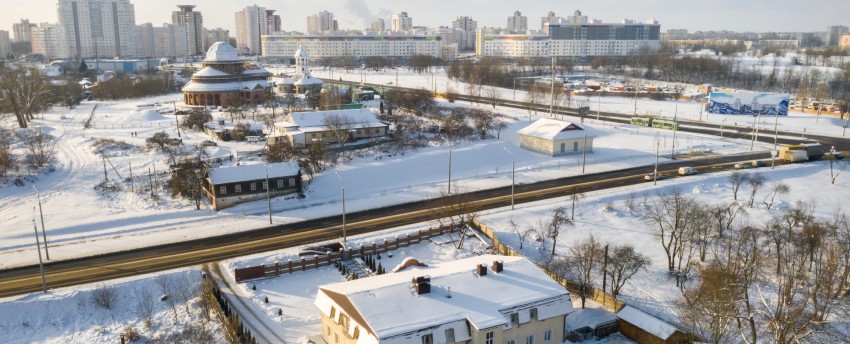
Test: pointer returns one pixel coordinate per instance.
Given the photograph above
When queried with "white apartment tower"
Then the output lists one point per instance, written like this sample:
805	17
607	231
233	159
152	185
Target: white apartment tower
5	44
378	25
272	21
49	40
577	18
517	23
193	22
98	27
550	18
469	26
401	22
145	40
168	42
251	24
22	32
321	22
215	35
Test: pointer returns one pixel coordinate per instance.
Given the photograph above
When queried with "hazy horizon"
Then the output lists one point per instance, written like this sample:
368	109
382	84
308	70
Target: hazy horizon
755	15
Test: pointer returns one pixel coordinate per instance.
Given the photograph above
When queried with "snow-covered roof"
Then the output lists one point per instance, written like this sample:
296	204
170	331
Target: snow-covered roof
357	118
256	70
386	306
286	81
222	52
554	129
233	174
301	53
646	322
194	86
308	81
210	72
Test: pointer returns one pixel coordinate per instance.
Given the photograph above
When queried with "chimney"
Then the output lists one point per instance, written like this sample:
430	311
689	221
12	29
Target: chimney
422	285
498	266
449	295
481	270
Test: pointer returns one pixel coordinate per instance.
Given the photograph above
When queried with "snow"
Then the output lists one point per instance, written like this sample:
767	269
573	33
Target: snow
69	315
555	129
195	86
249	172
646	322
221	52
209	72
356	117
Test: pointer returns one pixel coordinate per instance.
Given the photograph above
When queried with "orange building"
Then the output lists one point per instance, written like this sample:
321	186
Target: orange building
226	80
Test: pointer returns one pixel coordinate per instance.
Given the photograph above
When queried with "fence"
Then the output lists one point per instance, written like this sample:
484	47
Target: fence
315	262
141	125
606	300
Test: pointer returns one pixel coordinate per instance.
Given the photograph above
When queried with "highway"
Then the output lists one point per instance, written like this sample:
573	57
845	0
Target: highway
163	257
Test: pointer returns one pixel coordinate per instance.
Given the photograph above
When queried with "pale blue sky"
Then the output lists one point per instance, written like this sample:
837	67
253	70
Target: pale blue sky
738	15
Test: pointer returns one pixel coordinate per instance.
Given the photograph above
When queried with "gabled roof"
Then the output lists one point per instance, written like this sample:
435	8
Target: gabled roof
309	80
646	322
233	174
554	129
315	119
386	305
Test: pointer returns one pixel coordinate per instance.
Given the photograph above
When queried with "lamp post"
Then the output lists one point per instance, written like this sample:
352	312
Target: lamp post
655	174
342	187
41	215
513	175
40	262
675	126
269	194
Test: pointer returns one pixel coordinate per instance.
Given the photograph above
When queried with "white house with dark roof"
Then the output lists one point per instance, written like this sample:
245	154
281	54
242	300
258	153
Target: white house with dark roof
303	128
555	137
485	299
228	186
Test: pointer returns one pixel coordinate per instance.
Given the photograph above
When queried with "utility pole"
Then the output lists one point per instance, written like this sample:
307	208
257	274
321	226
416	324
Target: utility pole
675	126
268	194
599	103
176	122
450	169
655	174
105	176
342	187
41	214
513	176
132	187
40	262
605	270
584	154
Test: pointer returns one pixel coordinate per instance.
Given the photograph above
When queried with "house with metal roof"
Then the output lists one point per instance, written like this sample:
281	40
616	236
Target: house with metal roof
229	186
555	137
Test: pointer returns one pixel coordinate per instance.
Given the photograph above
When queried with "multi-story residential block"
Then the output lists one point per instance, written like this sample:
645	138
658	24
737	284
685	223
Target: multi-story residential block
833	34
145	39
339	44
844	42
517	23
550	18
401	22
169	41
320	22
193	22
98	27
5	44
215	35
378	25
484	299
272	21
469	27
22	32
49	41
251	24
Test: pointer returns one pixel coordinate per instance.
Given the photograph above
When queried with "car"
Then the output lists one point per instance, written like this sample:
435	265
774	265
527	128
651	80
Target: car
758	163
652	176
687	171
208	143
743	165
836	155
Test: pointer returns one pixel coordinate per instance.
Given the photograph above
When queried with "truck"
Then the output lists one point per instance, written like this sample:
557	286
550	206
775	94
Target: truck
801	152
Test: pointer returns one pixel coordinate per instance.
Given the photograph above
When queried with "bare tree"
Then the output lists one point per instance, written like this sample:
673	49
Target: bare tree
559	221
736	179
623	263
492	94
103	296
669	213
498	126
836	167
145	305
575	197
24	92
184	290
339	125
779	188
39	147
583	263
521	234
724	216
756	182
7	159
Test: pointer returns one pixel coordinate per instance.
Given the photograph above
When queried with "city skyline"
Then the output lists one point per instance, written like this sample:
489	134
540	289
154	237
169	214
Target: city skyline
756	16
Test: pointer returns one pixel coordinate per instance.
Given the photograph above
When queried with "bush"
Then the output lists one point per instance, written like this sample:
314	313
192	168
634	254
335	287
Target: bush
103	297
196	120
131	334
39	147
160	140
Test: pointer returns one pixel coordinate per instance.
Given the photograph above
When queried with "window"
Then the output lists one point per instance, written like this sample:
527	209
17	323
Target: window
292	182
428	339
280	184
563	147
356	332
514	318
253	186
575	146
534	314
265	185
222	190
450	335
547	336
237	188
329	330
529	340
333	313
489	338
336	337
343	321
510	342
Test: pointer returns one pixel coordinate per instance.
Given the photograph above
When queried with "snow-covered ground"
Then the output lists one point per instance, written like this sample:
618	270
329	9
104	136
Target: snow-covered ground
70	315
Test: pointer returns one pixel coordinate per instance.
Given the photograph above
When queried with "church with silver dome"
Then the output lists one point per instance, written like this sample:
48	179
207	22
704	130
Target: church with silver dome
226	80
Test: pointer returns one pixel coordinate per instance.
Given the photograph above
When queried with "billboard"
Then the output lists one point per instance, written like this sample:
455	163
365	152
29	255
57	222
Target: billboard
765	104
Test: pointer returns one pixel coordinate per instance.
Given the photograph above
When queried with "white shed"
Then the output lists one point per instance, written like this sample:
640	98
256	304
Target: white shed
555	138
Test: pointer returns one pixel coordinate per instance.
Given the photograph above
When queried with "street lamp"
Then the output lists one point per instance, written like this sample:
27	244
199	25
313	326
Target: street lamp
40	214
342	187
268	193
513	175
450	168
40	262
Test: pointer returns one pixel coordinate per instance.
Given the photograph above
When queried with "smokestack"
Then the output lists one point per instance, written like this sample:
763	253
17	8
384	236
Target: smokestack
422	285
481	270
498	266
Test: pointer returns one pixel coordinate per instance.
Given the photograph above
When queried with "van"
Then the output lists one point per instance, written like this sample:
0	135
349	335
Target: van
686	171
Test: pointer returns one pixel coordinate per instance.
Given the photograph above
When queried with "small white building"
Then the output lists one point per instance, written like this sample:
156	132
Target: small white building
303	128
483	299
555	137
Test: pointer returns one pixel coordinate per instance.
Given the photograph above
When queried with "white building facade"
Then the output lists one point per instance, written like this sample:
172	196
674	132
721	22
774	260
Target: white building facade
324	46
469	27
193	22
169	41
401	22
49	40
320	22
98	27
251	24
5	44
517	23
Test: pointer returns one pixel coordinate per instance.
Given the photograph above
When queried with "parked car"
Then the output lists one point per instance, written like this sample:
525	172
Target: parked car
651	176
742	165
830	156
208	143
687	171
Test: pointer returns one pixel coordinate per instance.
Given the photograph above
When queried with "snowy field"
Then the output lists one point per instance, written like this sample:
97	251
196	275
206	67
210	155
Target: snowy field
70	315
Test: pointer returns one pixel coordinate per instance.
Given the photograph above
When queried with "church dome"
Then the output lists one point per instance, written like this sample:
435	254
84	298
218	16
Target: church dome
222	52
301	53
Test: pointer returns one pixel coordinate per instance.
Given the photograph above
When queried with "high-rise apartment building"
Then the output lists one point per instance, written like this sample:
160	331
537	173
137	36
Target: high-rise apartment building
378	25
98	27
168	42
550	18
251	24
321	22
833	34
145	40
401	22
272	21
577	18
22	32
215	35
193	22
49	41
468	27
517	23
5	44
